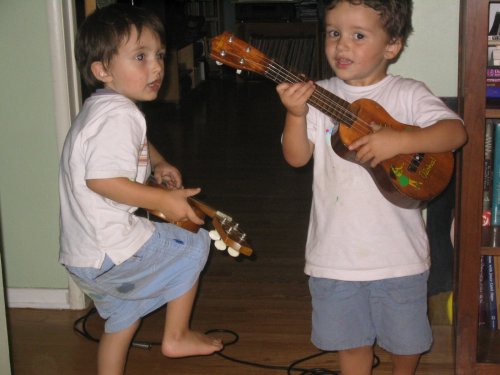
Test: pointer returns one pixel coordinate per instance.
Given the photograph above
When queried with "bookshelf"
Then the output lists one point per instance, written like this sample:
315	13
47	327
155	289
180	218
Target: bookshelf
288	32
210	10
212	13
296	45
183	72
477	348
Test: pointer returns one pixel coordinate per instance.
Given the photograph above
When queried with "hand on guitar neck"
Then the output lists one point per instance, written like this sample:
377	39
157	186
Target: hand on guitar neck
226	233
406	180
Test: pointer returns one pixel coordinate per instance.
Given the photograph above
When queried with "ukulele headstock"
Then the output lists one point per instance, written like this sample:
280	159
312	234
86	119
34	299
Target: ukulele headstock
227	234
236	53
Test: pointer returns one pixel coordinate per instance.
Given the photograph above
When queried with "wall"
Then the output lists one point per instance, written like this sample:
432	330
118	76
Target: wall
28	149
432	52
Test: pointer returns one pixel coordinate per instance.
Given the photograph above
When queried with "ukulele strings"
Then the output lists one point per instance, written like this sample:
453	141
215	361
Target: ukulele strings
320	95
321	98
280	74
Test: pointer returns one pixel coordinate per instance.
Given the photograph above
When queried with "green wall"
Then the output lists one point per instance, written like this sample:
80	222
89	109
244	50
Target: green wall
28	149
432	52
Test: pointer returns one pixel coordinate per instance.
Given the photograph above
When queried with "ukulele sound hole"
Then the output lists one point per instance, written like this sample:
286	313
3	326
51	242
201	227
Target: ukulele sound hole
415	162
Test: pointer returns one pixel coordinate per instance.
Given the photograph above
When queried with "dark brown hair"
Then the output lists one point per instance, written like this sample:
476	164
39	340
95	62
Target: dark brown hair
102	33
395	15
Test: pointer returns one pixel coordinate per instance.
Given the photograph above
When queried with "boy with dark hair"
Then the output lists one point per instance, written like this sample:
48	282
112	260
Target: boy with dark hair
367	259
128	265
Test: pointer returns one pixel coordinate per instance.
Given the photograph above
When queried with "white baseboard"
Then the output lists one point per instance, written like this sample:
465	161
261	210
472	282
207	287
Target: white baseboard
38	298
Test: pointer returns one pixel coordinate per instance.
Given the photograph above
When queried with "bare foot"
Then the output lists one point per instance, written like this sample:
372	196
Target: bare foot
189	344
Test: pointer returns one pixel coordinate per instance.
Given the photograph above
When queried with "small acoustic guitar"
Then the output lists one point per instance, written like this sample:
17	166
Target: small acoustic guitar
226	234
406	180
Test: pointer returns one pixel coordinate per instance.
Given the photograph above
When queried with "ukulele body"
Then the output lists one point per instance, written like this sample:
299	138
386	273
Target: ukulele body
407	180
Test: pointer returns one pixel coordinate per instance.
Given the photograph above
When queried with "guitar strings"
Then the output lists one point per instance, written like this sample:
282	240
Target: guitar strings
283	75
321	98
320	94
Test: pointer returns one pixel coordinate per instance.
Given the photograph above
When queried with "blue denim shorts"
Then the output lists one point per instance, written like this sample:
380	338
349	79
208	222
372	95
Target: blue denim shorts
163	269
391	312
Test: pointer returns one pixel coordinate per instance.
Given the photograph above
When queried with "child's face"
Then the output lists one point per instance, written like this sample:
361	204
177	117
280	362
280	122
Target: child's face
357	46
136	71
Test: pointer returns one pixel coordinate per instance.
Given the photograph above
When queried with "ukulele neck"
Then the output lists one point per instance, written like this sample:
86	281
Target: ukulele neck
323	100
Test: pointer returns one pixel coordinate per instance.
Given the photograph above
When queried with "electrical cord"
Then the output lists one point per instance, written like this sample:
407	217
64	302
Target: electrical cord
80	327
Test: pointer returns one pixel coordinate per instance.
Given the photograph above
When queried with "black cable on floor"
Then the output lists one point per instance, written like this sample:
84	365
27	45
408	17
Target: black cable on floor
80	327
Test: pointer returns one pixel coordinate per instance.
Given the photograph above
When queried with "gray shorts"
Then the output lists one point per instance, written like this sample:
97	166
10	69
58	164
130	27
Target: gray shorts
163	269
351	314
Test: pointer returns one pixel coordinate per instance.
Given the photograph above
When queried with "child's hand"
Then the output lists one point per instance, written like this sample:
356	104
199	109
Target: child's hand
168	175
294	96
384	143
175	206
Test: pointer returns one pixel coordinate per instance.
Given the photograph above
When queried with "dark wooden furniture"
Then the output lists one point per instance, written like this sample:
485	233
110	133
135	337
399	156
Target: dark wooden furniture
183	71
477	351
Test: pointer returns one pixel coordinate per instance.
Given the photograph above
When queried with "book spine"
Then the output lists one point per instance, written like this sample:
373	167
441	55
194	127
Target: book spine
496	262
483	303
486	216
492	91
495	195
488	172
495	27
491	292
492	71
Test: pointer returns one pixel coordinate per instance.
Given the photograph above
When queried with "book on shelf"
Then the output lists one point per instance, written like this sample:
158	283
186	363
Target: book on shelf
496	266
495	188
483	303
494	27
486	214
493	71
488	172
494	33
489	277
492	91
490	292
493	81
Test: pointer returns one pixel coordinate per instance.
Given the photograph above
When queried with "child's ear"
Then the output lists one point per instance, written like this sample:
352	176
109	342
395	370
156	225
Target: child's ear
393	49
100	72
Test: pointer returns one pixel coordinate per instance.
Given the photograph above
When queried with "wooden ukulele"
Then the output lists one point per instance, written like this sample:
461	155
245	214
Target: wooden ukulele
226	233
406	180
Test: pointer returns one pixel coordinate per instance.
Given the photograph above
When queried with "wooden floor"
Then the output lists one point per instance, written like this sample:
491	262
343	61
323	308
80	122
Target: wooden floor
226	139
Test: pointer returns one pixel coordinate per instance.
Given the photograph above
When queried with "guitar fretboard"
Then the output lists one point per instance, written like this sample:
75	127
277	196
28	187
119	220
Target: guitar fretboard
325	101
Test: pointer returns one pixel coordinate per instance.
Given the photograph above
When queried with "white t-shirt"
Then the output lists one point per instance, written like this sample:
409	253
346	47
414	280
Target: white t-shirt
354	232
106	140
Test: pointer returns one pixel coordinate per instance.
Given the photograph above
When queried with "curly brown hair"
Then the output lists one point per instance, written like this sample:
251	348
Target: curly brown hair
395	15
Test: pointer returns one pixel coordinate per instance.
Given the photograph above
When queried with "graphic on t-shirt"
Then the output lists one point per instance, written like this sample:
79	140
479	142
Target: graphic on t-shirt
330	130
143	155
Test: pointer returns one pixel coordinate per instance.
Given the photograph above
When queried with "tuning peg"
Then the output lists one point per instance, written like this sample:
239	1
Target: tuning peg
238	71
220	245
234	253
218	63
214	235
